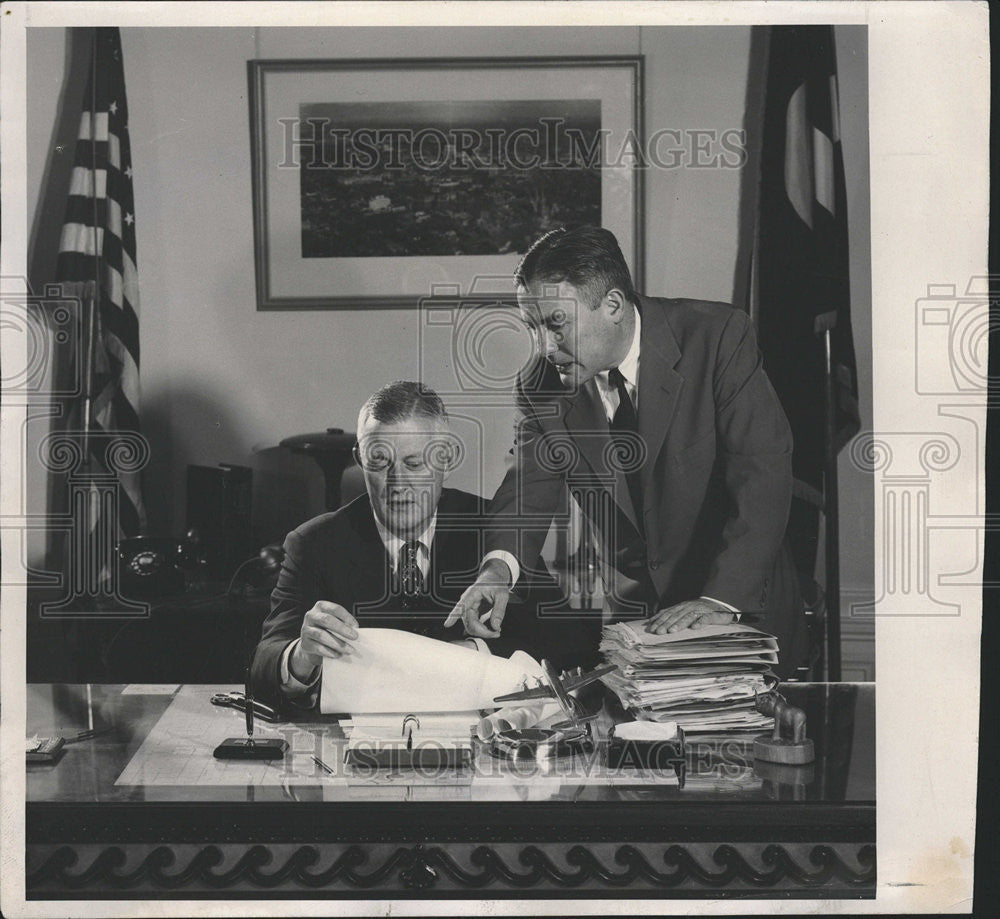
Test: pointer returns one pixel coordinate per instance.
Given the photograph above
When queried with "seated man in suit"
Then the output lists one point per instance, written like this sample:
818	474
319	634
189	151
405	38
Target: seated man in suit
397	557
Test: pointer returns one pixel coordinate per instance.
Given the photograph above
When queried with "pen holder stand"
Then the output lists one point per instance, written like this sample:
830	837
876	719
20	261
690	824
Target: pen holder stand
788	744
248	748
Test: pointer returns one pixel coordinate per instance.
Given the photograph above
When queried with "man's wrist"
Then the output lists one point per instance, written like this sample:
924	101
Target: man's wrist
729	608
509	560
498	568
300	666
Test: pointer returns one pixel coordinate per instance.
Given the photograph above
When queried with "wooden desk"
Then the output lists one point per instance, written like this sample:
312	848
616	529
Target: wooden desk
767	835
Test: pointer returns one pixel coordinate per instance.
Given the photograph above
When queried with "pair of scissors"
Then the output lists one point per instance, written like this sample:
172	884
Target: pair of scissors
238	701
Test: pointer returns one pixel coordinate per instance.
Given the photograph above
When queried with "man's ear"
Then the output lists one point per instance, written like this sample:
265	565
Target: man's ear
445	452
457	454
614	303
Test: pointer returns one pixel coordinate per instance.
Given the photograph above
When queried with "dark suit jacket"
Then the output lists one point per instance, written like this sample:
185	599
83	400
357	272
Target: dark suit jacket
340	557
717	477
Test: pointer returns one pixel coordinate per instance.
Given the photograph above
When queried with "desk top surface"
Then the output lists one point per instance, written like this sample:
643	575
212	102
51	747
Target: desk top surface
159	749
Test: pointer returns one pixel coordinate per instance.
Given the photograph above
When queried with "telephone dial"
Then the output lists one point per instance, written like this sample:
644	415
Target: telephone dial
155	565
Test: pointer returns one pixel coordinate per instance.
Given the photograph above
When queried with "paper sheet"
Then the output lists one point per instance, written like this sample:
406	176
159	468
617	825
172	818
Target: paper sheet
177	751
441	729
635	631
395	671
437	725
646	730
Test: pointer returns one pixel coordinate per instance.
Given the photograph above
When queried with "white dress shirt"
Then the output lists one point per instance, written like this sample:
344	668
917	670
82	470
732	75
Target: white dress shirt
629	369
394	543
294	688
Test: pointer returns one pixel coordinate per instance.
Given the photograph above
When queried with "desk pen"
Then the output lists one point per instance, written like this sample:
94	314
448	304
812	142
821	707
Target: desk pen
249	709
322	765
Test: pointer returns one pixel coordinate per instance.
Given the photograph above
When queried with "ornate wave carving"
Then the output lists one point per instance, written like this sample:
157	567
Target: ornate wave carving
422	867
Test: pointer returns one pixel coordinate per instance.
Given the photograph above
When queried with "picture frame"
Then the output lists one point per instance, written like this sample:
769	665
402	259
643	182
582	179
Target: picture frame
379	183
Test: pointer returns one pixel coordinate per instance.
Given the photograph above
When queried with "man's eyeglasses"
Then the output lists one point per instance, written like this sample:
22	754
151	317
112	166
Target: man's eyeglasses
440	455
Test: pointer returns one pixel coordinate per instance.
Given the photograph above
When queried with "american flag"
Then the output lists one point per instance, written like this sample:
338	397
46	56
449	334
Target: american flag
97	261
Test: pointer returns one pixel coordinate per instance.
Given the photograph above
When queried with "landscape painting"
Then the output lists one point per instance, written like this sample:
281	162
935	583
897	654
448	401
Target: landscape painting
385	179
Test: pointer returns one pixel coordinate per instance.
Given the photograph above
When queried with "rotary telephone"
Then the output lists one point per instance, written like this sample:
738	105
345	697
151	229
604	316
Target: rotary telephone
151	566
159	566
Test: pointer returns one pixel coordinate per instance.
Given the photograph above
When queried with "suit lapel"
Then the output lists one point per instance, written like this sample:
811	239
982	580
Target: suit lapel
659	386
440	548
452	539
370	562
588	425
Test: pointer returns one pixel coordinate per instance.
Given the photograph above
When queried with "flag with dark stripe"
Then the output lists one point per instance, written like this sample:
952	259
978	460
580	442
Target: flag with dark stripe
97	261
802	275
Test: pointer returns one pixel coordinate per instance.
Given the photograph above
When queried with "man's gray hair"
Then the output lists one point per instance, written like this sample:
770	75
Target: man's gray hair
401	400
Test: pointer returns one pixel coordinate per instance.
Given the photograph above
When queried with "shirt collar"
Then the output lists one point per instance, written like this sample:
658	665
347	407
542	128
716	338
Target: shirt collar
394	543
629	367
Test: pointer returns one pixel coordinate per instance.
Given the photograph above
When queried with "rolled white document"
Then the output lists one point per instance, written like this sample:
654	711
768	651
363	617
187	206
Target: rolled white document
518	717
395	671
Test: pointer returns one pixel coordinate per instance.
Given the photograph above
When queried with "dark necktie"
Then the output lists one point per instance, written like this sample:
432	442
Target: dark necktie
411	580
624	431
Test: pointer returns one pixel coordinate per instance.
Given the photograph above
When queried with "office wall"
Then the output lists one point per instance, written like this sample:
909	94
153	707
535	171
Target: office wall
224	383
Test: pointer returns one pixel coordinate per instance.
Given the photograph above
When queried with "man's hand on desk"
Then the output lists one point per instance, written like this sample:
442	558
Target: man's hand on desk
327	631
490	591
691	614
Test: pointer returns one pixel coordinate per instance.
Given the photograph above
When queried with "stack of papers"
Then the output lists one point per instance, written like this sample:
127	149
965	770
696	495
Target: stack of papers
704	679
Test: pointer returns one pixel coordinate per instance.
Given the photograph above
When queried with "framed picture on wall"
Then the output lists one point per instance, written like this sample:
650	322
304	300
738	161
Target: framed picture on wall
378	183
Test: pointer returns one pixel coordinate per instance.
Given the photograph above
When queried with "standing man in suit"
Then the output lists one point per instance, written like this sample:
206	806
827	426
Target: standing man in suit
397	557
665	405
